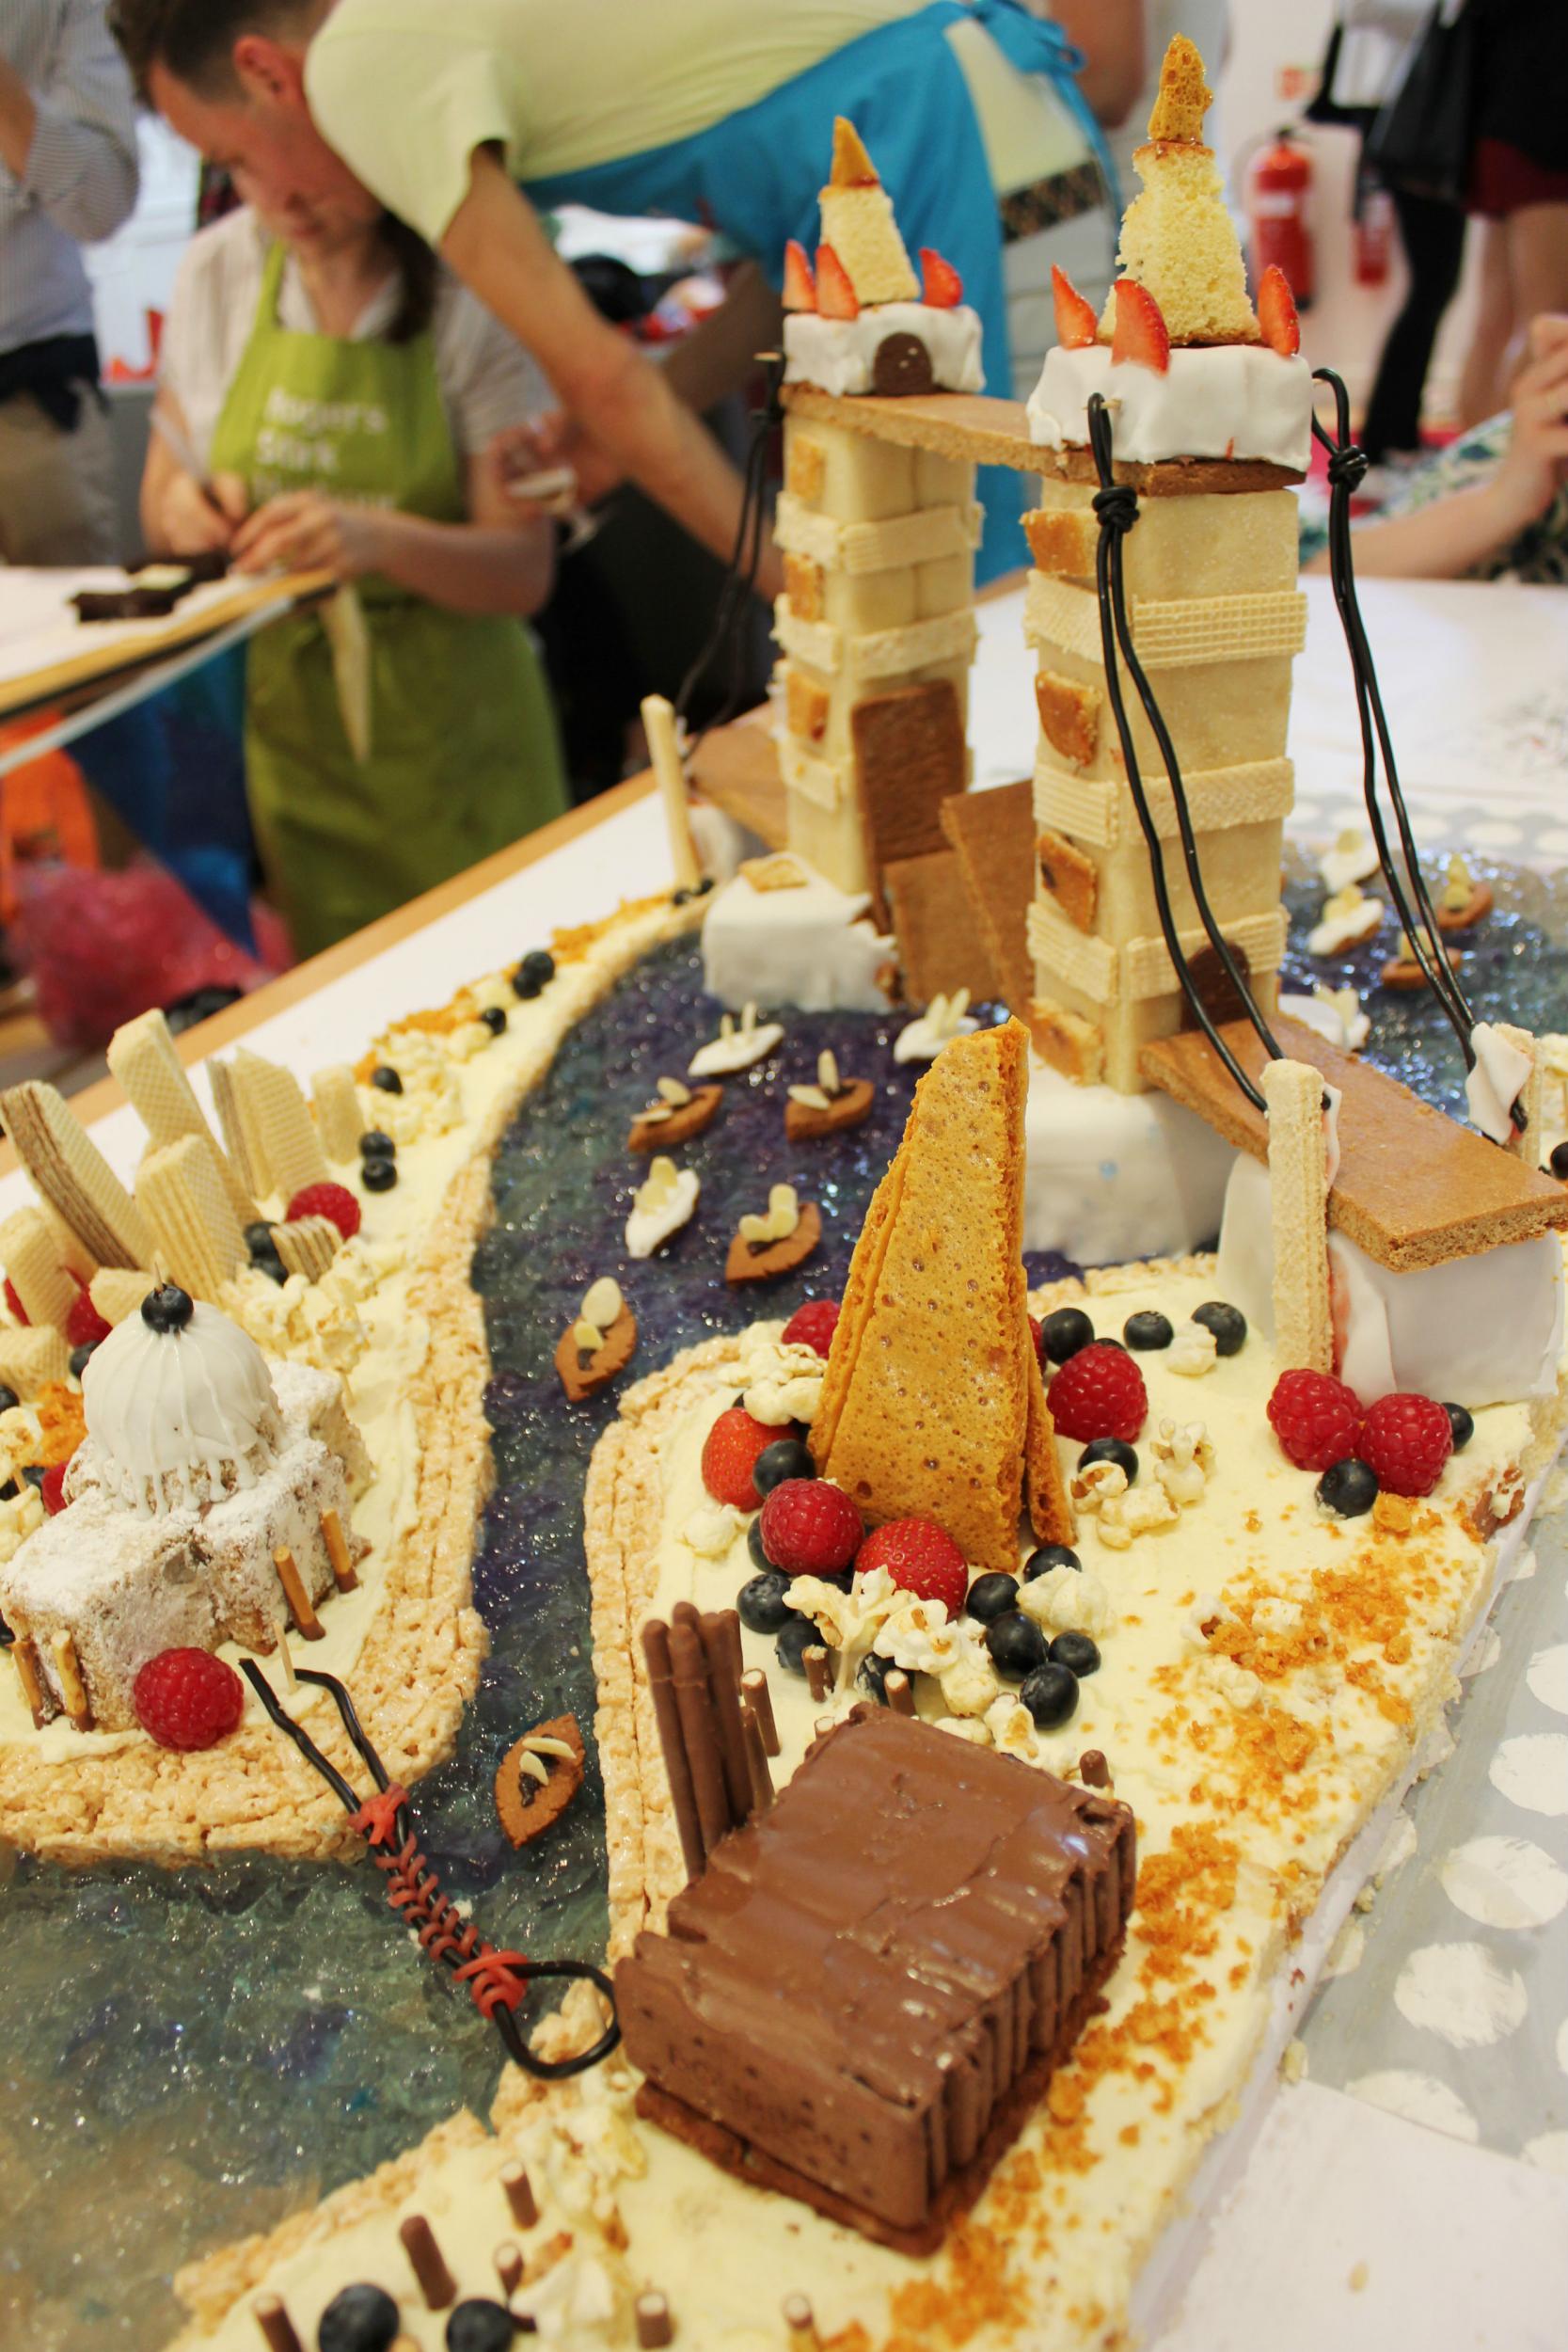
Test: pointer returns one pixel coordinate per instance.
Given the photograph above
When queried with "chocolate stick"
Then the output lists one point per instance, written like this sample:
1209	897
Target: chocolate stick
898	1691
519	2195
275	2325
336	1551
437	2283
298	1599
725	1684
655	2326
688	1666
754	1686
656	1650
815	1660
26	1658
74	1691
801	2325
1093	1771
756	1759
508	2260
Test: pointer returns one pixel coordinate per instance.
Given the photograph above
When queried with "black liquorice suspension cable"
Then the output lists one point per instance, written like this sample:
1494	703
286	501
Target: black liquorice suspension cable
1347	464
1116	506
732	609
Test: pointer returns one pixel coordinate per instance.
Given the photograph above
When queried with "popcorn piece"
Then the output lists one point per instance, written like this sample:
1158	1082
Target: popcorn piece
1237	1685
969	1687
1192	1351
780	1401
1183	1461
1011	1725
710	1530
1141	1512
1097	1484
1068	1600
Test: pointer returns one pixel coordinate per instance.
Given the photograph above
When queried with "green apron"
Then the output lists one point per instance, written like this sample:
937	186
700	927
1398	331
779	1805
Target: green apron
464	756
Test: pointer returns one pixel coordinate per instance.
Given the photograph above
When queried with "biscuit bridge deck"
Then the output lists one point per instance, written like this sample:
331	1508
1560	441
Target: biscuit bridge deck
1415	1188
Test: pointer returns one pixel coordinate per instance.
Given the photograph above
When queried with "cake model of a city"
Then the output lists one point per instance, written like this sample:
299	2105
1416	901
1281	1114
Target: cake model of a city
1002	1696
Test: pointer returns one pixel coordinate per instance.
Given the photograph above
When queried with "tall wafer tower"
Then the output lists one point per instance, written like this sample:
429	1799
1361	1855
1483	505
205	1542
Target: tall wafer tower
1210	407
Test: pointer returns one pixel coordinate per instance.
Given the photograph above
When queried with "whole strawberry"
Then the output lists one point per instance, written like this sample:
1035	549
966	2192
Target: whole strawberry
84	1326
730	1454
333	1201
812	1325
1406	1439
187	1698
810	1527
1099	1393
52	1488
1316	1418
921	1558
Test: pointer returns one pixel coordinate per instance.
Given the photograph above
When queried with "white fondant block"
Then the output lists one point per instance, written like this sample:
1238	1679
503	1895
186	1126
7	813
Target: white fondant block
1112	1176
810	948
1481	1330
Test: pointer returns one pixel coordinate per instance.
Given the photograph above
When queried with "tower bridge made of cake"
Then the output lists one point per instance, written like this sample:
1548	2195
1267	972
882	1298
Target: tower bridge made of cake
1044	893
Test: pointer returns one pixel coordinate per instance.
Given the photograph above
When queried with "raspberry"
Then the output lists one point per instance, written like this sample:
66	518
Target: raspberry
813	1325
335	1202
810	1527
18	1312
1038	1334
85	1327
730	1455
187	1698
921	1558
1317	1419
1406	1439
52	1488
1099	1393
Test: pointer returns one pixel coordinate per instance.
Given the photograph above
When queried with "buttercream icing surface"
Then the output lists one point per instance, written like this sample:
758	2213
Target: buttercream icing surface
1232	400
840	355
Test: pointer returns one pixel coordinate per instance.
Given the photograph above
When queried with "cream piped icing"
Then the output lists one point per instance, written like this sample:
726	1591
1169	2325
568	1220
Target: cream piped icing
179	1418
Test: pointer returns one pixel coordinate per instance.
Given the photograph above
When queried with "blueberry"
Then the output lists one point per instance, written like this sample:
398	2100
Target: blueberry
534	973
376	1144
1559	1162
762	1604
1462	1423
34	1473
872	1675
9	1491
1016	1643
9	1399
1228	1324
480	2325
1048	1557
786	1458
681	898
1051	1695
387	1078
992	1596
360	2319
168	1309
1065	1332
270	1264
257	1239
753	1545
1349	1488
798	1637
703	886
1111	1449
378	1175
1148	1328
81	1356
494	1018
1076	1652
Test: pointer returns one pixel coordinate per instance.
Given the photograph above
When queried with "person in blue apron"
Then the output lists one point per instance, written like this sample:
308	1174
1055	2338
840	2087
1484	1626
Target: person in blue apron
466	118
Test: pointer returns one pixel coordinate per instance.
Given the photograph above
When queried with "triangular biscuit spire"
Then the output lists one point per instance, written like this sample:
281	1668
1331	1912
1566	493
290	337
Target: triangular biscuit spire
933	1404
858	223
1178	240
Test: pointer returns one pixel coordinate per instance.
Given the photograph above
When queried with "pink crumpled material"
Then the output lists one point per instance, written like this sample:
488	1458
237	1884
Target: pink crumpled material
103	947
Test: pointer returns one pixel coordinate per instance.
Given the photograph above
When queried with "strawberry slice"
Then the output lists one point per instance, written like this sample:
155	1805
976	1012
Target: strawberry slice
1075	319
799	286
836	296
1276	312
1141	333
941	286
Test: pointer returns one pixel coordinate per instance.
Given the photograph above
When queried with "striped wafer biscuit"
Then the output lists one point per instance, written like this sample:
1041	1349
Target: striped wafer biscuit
1298	1194
197	1234
143	1057
31	1257
73	1176
307	1246
277	1117
339	1121
118	1291
243	1147
70	1248
29	1358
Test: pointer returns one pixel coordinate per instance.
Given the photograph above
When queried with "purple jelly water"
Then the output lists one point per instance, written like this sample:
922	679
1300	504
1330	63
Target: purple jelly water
188	2056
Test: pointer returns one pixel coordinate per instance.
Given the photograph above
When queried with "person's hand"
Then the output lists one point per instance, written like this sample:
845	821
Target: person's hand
1536	461
196	521
304	531
558	439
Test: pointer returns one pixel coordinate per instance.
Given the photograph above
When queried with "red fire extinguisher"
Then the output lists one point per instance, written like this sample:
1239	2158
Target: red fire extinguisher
1374	238
1279	190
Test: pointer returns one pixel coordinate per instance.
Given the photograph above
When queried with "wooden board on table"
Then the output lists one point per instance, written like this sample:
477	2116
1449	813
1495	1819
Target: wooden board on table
129	645
1413	1190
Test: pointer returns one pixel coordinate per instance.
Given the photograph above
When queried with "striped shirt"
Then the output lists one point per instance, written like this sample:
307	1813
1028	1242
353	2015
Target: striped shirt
80	181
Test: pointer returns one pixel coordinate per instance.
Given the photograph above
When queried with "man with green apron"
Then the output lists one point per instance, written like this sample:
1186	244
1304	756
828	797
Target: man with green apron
462	756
